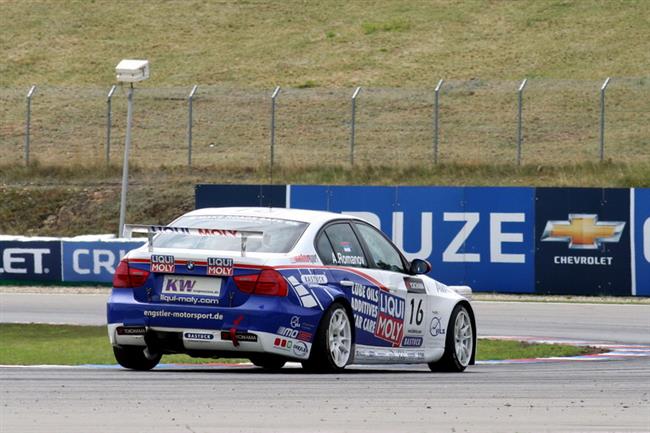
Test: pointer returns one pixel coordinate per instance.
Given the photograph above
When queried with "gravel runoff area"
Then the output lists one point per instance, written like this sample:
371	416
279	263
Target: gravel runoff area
498	297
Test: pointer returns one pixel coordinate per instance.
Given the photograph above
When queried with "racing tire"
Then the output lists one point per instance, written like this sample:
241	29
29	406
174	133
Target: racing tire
459	344
268	362
333	346
133	357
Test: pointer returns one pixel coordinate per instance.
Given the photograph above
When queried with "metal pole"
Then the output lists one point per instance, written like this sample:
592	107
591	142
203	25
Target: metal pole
602	119
109	122
28	122
353	123
190	98
436	116
273	97
125	165
519	119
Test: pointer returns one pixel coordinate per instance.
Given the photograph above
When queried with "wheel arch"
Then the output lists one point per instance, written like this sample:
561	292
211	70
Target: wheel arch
342	300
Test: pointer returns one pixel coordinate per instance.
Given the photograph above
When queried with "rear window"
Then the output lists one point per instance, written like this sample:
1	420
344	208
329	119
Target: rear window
279	235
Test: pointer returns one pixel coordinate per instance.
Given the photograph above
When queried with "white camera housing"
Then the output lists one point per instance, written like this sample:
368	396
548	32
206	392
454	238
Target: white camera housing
132	71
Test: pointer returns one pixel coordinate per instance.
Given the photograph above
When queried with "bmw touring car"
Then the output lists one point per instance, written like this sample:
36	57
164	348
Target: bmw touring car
278	285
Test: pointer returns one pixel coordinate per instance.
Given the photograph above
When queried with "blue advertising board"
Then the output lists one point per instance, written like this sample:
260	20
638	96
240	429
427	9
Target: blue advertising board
583	241
93	261
471	236
30	260
240	195
641	217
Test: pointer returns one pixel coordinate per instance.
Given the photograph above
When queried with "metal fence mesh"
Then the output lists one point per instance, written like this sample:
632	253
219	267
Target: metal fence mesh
477	124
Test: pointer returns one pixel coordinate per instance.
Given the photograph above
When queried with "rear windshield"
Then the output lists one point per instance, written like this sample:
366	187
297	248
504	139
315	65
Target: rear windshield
279	235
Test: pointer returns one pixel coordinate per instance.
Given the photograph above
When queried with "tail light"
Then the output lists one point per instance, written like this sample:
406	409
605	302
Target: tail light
269	282
126	276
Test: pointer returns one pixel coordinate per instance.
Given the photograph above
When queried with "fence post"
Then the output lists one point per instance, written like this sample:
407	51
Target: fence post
28	122
602	118
353	123
519	118
190	98
274	96
109	121
436	114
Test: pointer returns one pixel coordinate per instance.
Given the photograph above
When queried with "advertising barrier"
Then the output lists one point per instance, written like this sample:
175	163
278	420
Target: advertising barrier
93	261
61	260
589	241
30	260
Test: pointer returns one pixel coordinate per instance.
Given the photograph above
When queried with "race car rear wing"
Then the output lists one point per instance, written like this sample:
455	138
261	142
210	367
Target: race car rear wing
152	230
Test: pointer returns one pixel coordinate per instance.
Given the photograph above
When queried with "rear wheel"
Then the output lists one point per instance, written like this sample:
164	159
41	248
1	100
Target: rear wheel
268	362
459	344
332	348
133	357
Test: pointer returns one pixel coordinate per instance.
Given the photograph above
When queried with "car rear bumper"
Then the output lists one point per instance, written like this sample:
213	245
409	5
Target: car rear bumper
260	325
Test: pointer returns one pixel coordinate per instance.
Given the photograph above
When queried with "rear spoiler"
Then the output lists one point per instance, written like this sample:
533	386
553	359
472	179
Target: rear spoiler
152	230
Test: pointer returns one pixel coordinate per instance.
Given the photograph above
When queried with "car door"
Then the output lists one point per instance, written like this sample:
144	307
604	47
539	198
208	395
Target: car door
402	317
339	248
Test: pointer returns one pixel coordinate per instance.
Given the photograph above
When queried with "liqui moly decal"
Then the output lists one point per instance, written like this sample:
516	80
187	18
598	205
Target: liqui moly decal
390	320
162	264
220	267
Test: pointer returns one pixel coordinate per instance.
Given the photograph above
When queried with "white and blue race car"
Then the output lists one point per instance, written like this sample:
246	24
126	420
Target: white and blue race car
278	285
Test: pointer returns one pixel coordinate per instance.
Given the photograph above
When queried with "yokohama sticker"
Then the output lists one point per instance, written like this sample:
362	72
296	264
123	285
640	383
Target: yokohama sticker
162	264
220	267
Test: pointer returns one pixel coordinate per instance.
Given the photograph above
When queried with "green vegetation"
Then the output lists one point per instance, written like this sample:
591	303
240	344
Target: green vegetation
237	51
76	345
334	42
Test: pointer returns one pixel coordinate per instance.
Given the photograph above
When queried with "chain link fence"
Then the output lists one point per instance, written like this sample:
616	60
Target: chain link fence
561	121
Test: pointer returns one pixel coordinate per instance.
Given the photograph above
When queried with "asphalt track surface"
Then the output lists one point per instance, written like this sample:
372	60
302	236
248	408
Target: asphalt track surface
564	396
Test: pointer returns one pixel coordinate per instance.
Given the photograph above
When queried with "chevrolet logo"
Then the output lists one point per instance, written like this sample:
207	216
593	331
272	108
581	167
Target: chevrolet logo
583	231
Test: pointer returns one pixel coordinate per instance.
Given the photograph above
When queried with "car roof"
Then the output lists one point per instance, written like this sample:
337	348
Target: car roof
303	215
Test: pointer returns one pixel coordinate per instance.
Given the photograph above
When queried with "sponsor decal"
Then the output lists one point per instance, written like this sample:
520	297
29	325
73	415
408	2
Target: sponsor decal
200	286
163	264
178	285
390	320
345	245
198	336
305	258
412	342
414	285
182	315
188	299
304	336
583	231
131	330
314	279
300	349
287	332
281	343
239	336
436	328
295	322
220	267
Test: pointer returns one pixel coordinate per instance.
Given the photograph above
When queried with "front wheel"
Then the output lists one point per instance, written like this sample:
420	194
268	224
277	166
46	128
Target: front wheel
332	348
133	357
459	344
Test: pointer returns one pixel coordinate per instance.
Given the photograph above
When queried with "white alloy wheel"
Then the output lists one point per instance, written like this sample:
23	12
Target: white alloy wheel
339	338
463	337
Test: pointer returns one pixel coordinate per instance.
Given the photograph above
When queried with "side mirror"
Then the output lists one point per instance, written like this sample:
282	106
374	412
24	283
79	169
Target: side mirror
419	266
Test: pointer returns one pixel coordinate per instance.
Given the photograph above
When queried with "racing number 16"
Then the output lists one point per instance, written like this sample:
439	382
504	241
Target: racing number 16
419	315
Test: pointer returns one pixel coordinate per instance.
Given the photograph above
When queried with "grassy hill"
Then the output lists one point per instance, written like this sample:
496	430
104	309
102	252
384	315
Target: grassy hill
329	43
318	52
